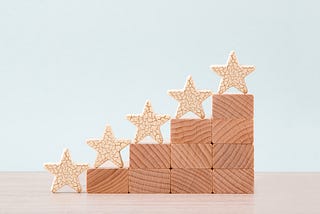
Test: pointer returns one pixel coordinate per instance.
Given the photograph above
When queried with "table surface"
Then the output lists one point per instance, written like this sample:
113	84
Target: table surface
28	192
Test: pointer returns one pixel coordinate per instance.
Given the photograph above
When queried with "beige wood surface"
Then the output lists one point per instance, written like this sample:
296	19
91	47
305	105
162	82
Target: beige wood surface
274	193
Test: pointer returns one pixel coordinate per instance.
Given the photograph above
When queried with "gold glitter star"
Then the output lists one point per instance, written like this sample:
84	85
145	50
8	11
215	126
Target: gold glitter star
108	148
66	172
190	99
148	124
233	74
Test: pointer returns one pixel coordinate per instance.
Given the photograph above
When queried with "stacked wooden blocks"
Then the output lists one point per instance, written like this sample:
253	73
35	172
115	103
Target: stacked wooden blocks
149	168
191	156
232	138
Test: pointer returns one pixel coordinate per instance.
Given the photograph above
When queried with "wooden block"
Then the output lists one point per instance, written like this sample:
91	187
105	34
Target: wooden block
107	181
149	181
190	131
233	181
150	156
191	181
234	106
237	156
233	131
191	156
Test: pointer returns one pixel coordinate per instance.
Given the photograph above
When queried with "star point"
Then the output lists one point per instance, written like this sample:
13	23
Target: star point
108	148
148	123
190	99
66	172
233	74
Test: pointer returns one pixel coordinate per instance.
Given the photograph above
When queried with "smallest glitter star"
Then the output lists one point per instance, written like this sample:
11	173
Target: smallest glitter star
190	99
108	148
233	74
66	172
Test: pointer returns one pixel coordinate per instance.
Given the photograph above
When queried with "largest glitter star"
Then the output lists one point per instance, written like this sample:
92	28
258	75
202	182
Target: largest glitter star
66	172
108	148
190	99
148	124
233	74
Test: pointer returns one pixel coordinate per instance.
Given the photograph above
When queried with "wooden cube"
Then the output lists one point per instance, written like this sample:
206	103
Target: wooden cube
233	156
232	106
233	181
233	131
186	131
191	156
149	181
191	181
107	181
150	156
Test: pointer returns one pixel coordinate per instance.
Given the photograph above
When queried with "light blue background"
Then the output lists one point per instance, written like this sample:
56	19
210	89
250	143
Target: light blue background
67	68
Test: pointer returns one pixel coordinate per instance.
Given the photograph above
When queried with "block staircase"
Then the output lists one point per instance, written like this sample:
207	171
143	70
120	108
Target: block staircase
213	155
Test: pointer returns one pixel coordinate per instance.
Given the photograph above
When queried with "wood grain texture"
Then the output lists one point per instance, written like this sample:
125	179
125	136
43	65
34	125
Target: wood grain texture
190	131
233	131
233	106
107	181
191	181
150	156
238	156
191	155
233	181
149	181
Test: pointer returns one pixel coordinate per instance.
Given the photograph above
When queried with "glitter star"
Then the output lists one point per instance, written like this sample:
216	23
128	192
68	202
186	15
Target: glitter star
233	74
148	124
108	148
190	99
66	172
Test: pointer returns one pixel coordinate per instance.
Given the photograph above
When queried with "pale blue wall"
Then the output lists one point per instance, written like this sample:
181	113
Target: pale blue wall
69	67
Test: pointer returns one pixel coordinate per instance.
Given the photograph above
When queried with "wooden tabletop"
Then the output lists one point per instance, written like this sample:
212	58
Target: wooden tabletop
274	193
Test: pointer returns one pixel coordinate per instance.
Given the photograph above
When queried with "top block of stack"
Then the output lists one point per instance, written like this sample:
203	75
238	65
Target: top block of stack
232	106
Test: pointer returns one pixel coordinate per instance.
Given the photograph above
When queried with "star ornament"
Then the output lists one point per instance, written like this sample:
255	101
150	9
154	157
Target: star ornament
190	99
148	124
108	148
233	74
66	172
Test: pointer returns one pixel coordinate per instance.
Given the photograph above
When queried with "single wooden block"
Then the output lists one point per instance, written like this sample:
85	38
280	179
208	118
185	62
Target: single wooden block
149	181
190	131
107	181
150	156
191	181
191	156
233	131
233	156
234	106
233	181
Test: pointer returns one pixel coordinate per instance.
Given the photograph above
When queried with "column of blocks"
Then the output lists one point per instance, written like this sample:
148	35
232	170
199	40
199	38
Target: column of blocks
233	149
149	168
107	181
191	156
